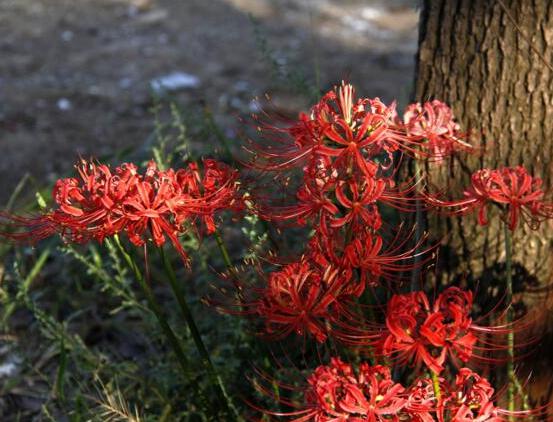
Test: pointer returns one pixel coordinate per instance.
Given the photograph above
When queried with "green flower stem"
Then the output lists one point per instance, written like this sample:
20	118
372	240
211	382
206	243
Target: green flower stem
156	309
511	335
520	390
223	250
162	321
200	346
436	386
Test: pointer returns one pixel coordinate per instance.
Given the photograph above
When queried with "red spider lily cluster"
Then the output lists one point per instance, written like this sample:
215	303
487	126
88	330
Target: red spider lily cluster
420	333
336	392
345	153
345	150
348	151
431	335
156	205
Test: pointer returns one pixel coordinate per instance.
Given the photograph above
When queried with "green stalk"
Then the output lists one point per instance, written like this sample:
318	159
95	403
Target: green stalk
156	309
520	390
436	386
511	335
162	321
200	346
223	250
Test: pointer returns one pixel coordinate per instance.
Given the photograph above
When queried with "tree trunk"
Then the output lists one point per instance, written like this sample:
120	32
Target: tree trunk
476	59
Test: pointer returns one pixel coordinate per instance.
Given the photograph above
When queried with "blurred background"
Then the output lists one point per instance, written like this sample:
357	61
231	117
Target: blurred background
78	77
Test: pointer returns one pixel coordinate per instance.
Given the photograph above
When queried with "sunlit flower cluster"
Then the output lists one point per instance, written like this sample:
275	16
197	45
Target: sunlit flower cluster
156	205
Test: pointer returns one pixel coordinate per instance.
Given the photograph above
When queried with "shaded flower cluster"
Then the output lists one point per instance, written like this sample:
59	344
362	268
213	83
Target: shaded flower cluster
299	298
338	392
421	333
159	204
518	194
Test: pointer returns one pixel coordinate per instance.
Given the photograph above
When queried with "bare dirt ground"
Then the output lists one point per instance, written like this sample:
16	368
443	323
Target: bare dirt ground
75	74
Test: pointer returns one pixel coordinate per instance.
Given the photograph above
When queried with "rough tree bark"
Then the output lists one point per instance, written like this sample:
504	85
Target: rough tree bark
475	58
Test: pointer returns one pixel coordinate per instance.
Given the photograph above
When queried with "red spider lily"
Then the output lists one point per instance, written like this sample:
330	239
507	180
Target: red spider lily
359	200
302	299
515	191
351	203
360	206
404	317
104	202
423	334
313	202
151	208
348	146
354	132
433	127
314	197
343	179
471	399
214	191
166	200
368	253
351	132
336	393
421	401
87	209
